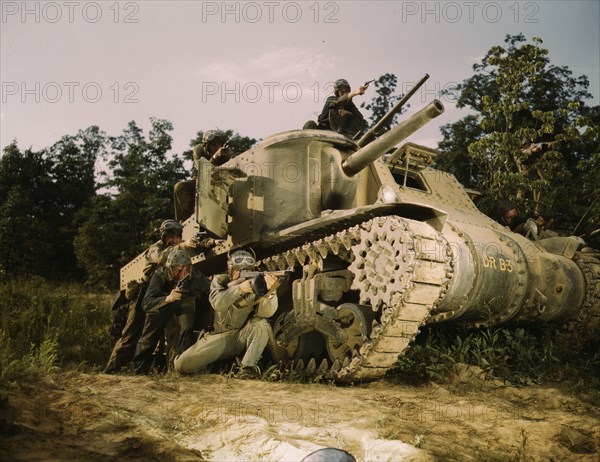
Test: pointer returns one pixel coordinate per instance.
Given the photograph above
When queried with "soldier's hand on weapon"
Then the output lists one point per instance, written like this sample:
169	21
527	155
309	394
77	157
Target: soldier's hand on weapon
174	296
366	84
259	285
360	91
272	280
223	151
189	244
197	238
217	154
245	287
209	243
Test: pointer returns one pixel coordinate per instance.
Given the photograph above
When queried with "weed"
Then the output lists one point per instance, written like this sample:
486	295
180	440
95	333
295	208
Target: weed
44	325
519	354
38	361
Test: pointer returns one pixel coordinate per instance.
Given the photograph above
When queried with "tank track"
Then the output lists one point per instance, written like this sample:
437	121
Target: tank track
400	268
586	327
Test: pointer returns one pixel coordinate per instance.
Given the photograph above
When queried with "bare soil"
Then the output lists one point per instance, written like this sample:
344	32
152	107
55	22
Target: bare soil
93	417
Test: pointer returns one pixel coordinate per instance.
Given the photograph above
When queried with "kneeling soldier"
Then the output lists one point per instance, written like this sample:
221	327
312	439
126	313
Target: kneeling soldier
241	307
172	291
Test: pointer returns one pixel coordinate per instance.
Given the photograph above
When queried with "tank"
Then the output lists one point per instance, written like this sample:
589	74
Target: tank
379	244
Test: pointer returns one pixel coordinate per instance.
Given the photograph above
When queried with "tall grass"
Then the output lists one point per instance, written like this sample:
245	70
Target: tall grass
44	326
517	354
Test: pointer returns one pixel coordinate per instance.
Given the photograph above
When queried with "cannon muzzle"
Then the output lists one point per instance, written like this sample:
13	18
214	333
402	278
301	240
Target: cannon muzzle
364	156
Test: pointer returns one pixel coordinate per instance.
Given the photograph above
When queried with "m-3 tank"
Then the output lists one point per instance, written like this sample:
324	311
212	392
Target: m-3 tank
379	244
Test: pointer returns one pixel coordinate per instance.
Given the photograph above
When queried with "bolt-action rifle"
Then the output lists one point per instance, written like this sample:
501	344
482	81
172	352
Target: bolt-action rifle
247	274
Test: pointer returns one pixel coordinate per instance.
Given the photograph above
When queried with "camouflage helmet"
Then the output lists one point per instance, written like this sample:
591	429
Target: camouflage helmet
170	228
213	135
340	84
178	258
241	259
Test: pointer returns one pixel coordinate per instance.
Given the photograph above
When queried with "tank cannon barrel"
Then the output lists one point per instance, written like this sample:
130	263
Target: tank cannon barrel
367	154
386	119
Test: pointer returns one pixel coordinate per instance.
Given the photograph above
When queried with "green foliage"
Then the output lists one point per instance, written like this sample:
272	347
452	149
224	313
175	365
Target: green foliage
384	100
41	193
515	354
38	361
27	226
88	204
236	142
520	98
40	321
118	225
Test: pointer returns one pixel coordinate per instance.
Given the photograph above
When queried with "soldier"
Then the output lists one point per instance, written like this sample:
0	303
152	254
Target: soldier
172	291
509	215
213	148
241	308
339	112
533	229
170	239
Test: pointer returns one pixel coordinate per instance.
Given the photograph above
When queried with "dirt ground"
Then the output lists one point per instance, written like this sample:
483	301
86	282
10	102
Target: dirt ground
93	417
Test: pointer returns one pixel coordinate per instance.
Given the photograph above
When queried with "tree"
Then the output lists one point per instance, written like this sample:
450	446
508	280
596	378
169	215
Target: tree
519	98
27	196
73	161
236	142
120	223
385	99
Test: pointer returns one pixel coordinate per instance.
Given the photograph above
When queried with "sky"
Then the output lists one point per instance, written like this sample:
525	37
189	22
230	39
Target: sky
255	67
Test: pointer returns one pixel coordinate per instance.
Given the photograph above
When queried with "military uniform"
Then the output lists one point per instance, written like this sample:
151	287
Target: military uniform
347	124
185	191
236	328
124	350
158	314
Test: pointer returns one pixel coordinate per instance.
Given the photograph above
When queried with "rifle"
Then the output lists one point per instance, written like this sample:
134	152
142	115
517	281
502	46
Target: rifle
246	274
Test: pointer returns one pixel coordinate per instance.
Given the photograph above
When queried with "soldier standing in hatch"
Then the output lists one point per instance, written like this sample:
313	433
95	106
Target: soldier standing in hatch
172	291
214	149
170	239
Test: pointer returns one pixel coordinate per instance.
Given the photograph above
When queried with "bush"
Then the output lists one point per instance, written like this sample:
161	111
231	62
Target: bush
518	354
39	320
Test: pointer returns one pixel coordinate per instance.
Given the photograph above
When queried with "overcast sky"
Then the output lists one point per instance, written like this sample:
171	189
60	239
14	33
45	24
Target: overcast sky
255	67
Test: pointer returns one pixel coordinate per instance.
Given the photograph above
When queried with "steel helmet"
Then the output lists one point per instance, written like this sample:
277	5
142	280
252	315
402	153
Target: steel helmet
170	228
213	135
340	84
178	258
241	259
505	206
